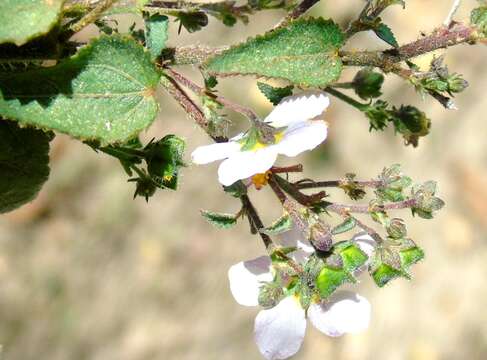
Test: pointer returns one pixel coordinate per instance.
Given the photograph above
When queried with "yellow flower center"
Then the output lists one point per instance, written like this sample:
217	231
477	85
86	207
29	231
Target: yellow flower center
260	145
260	180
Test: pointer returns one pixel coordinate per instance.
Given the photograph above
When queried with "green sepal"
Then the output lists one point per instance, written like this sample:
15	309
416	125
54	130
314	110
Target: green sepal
331	278
305	52
156	33
347	225
23	20
385	273
383	270
368	83
274	94
220	220
283	224
237	189
385	33
24	164
164	159
105	92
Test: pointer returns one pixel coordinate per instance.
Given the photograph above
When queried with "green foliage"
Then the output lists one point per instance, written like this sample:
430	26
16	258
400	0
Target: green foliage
351	188
192	21
237	189
222	221
304	52
393	184
411	122
385	33
283	224
156	27
346	258
426	201
479	19
347	225
408	120
367	83
22	20
270	293
164	159
393	259
275	94
105	92
438	80
24	164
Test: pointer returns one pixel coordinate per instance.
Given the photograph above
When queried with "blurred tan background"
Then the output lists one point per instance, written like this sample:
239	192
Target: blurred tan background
88	273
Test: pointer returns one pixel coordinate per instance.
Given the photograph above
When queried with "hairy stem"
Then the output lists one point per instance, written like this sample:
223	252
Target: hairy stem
255	221
92	16
201	91
336	183
386	60
363	209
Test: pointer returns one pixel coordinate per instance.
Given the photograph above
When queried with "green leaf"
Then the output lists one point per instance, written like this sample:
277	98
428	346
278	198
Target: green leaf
105	92
275	94
305	52
22	20
284	223
222	221
156	27
385	33
24	164
192	21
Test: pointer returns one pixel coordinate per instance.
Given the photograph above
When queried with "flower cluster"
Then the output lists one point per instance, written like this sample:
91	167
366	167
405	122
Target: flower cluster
289	298
293	283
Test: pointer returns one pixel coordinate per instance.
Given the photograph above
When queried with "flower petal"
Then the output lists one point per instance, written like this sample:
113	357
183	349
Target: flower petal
279	332
219	151
345	312
246	277
365	242
303	136
294	238
244	164
297	108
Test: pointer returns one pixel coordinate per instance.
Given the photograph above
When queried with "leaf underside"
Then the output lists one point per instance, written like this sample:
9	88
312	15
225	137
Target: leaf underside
22	20
105	92
305	53
24	164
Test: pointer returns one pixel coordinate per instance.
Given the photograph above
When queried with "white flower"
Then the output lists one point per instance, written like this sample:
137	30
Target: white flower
299	130
279	331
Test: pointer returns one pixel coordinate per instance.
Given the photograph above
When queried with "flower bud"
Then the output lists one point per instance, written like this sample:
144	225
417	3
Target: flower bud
270	294
321	236
396	229
367	83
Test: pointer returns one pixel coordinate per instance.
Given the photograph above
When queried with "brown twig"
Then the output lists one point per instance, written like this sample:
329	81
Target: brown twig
193	111
277	190
201	91
92	16
299	10
363	209
386	60
255	221
336	183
